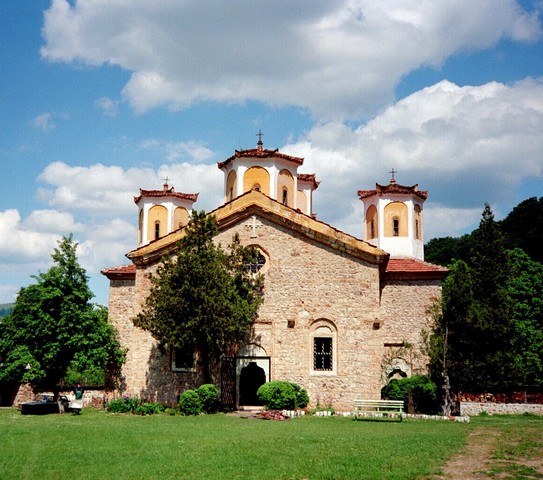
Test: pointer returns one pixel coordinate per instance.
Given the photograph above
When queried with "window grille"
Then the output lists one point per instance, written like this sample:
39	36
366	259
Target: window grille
322	353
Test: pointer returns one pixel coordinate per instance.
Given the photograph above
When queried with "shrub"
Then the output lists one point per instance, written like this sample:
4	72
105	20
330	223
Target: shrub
190	403
209	397
281	395
123	405
149	408
134	405
423	393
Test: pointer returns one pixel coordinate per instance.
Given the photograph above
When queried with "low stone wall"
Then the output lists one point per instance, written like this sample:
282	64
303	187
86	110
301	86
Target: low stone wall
475	408
93	397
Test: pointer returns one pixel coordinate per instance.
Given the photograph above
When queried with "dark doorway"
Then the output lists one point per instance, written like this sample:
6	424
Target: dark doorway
250	379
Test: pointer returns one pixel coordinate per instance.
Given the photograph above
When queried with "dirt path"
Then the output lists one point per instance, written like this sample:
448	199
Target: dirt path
476	461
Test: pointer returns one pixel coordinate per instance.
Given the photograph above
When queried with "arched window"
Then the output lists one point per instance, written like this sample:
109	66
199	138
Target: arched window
418	222
284	199
371	222
157	230
257	262
324	347
395	220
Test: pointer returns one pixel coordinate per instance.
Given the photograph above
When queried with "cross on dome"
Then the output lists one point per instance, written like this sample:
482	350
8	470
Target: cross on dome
393	180
259	143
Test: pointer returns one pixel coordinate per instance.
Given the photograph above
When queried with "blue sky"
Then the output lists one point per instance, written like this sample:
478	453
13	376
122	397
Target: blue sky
99	98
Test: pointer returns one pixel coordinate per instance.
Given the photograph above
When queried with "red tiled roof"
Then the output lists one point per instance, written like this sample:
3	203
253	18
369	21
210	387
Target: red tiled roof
393	187
261	153
166	193
123	272
309	178
404	268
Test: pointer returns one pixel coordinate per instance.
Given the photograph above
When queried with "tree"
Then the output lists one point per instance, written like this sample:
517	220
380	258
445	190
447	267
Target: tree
203	299
525	287
471	342
492	308
523	227
54	326
445	250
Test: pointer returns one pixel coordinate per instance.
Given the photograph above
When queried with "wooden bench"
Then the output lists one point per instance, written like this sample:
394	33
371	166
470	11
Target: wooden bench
378	409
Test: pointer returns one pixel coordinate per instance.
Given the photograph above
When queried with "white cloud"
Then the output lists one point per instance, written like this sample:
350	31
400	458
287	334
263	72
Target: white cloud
106	191
44	122
180	151
109	107
18	242
337	58
466	145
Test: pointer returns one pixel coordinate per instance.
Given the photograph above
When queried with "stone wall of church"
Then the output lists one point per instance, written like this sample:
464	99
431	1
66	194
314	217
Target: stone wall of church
307	285
407	306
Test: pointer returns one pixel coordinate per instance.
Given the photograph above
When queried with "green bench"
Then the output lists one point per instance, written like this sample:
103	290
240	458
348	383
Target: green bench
378	409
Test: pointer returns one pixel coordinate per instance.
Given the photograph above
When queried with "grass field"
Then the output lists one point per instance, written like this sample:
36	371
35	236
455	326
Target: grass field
100	445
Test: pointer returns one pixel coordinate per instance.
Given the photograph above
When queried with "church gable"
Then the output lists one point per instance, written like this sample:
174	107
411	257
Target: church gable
256	204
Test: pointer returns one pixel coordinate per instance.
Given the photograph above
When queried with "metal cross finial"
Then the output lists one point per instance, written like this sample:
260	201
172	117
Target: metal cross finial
393	172
259	135
166	180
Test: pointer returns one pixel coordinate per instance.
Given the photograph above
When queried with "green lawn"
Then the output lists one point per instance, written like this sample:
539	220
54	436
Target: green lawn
100	445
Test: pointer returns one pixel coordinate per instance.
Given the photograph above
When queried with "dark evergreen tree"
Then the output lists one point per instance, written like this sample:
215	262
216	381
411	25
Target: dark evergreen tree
54	324
203	299
445	250
492	308
523	227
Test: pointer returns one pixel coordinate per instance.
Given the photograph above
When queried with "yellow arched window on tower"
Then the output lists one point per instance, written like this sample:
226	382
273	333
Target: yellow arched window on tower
157	222
302	201
418	222
395	220
231	186
180	217
285	188
140	227
372	230
257	176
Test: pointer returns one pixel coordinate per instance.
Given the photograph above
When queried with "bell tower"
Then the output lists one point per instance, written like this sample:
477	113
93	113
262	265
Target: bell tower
162	211
393	218
271	172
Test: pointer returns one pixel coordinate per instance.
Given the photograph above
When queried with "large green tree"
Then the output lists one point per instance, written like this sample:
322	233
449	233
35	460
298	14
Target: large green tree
525	287
472	341
54	326
203	299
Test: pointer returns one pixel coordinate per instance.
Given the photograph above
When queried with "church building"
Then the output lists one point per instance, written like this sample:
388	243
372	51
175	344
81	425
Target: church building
341	315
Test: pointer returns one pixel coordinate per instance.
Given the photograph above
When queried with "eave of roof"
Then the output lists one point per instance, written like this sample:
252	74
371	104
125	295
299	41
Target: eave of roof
394	188
166	193
260	153
309	178
254	202
413	269
123	272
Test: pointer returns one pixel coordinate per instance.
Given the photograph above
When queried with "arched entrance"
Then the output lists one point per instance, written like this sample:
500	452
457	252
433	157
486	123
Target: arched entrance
252	370
250	379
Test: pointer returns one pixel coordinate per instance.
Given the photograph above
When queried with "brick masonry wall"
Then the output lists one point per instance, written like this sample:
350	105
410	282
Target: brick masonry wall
305	282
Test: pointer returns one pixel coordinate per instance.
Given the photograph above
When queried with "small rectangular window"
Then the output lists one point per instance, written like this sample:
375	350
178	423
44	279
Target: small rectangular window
182	360
396	227
322	353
